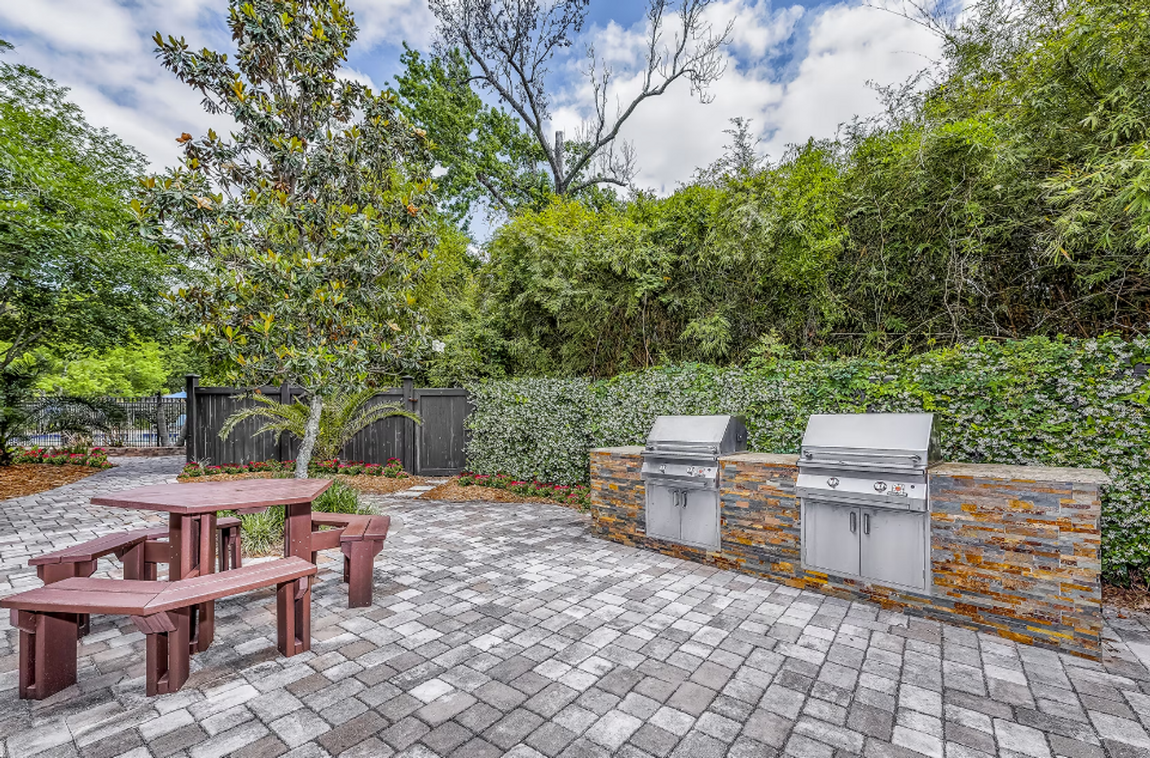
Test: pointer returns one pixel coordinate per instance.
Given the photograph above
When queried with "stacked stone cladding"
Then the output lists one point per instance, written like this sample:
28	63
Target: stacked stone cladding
1015	551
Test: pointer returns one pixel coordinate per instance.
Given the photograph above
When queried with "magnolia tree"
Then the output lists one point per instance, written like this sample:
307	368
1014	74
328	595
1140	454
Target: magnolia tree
308	227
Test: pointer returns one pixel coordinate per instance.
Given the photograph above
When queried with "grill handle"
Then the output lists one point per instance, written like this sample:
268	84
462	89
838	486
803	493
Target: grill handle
866	523
854	522
869	456
675	447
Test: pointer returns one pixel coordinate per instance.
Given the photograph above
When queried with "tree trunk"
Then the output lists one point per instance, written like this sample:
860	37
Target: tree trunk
161	422
315	408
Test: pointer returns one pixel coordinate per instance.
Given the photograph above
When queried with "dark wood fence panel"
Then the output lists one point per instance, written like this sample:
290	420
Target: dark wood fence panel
435	447
382	440
442	438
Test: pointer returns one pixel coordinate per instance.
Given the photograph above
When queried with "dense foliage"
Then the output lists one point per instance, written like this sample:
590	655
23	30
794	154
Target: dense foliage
310	224
72	270
1032	402
1010	198
131	370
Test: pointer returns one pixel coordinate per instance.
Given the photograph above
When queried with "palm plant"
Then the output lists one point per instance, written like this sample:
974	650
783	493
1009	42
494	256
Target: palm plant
342	417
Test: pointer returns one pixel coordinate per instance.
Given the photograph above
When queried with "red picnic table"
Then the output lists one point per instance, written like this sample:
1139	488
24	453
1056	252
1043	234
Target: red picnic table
192	510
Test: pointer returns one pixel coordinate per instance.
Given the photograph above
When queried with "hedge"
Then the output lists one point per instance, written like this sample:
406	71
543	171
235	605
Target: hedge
1079	403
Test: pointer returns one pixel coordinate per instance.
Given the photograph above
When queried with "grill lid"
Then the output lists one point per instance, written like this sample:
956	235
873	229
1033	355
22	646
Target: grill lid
870	440
718	435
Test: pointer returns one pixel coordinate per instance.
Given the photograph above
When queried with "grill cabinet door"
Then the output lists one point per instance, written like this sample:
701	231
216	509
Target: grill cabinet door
662	513
894	547
830	537
700	522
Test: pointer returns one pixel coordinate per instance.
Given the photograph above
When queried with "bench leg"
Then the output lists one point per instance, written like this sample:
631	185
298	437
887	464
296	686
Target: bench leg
230	548
133	562
293	616
168	652
56	571
358	562
48	643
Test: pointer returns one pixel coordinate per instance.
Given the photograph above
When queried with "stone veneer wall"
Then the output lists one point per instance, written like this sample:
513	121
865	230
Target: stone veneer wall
1014	550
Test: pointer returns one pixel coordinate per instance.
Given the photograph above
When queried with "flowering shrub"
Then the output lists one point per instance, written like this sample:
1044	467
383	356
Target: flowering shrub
577	495
1037	402
392	469
95	457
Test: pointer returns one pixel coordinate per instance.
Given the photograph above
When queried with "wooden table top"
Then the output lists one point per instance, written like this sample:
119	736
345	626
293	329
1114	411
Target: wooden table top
209	497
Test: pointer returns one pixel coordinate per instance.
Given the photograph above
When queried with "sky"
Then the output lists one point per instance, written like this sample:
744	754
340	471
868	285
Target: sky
797	69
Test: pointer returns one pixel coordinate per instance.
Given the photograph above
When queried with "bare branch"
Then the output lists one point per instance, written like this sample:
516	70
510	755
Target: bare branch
511	44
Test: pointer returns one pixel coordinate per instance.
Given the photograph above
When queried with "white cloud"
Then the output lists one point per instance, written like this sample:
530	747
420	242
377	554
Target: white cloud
103	51
93	25
393	21
674	134
849	46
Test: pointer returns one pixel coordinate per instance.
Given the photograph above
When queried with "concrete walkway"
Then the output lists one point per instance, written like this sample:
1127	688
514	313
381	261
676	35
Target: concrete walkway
503	629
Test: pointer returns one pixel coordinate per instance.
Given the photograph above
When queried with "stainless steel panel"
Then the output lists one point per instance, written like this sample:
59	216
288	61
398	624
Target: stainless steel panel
722	433
679	469
885	441
907	493
830	537
893	547
663	513
700	518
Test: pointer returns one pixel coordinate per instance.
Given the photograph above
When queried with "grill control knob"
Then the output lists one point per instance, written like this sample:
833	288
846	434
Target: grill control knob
880	486
663	469
833	482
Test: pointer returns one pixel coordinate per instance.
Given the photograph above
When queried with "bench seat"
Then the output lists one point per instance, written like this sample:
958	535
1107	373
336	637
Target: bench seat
139	561
360	538
48	618
139	551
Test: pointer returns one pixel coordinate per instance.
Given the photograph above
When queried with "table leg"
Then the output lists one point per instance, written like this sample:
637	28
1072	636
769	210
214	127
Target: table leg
297	542
193	547
206	630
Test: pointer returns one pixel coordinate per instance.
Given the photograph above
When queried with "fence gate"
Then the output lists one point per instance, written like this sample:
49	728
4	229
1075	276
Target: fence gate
435	447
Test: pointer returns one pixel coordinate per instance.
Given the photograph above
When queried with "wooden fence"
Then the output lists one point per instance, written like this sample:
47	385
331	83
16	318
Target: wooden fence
435	447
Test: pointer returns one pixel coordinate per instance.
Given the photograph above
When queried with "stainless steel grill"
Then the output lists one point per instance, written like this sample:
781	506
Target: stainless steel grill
863	482
681	476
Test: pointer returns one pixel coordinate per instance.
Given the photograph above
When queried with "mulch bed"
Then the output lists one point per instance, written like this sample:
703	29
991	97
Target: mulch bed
23	479
1136	597
367	485
455	493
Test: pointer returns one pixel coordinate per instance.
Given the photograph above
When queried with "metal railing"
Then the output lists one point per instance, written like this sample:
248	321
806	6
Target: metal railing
110	422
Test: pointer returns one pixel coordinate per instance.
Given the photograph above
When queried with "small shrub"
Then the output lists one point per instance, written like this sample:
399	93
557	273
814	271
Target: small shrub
574	495
95	457
338	498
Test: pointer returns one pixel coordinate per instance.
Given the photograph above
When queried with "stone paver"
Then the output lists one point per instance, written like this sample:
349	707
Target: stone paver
505	629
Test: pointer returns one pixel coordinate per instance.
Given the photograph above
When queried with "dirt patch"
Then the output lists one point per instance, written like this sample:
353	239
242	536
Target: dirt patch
29	478
1136	597
368	485
455	493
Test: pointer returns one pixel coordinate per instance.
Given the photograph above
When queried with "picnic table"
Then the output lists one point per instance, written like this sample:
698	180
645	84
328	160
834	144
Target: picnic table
177	616
192	513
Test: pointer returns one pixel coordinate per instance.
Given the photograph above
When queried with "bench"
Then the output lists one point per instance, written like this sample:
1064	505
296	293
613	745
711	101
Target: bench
139	551
360	538
48	620
138	558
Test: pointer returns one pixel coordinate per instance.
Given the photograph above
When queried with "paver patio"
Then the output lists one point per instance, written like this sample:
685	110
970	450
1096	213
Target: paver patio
508	629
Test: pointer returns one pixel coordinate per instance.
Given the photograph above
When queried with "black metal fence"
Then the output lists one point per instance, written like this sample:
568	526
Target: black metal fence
435	447
108	422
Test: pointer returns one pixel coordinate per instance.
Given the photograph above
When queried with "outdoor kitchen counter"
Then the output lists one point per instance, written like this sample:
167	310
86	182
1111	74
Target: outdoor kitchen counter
1015	550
